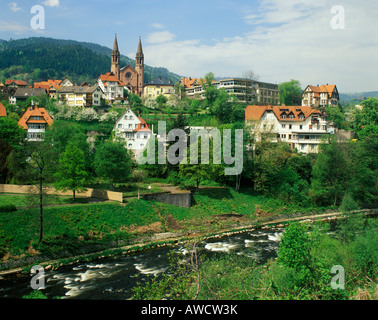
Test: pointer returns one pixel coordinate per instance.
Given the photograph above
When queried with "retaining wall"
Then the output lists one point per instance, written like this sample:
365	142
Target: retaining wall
177	199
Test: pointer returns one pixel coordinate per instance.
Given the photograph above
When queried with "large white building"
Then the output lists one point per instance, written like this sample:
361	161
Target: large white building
245	90
134	130
301	127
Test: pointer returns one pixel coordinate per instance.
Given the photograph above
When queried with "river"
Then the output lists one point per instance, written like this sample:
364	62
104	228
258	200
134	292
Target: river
113	278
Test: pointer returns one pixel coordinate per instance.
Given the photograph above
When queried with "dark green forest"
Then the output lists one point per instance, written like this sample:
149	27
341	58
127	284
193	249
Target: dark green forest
38	59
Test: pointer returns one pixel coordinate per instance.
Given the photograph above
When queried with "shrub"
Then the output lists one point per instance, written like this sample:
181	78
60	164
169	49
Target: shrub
8	208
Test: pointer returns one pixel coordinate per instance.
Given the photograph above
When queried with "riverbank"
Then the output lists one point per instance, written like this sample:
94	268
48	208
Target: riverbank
182	236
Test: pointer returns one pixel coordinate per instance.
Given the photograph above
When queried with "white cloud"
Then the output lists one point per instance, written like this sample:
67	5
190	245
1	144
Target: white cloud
13	6
51	3
160	37
158	26
285	40
13	27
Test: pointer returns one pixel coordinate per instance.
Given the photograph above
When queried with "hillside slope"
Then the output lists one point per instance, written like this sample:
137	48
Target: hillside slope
37	59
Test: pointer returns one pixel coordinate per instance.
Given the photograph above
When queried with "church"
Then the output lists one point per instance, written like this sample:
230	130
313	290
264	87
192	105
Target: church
132	78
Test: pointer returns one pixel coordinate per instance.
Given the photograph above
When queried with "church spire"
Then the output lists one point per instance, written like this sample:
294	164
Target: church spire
140	50
115	46
115	60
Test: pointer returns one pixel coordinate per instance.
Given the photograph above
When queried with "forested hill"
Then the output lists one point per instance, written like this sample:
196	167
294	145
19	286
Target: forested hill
37	59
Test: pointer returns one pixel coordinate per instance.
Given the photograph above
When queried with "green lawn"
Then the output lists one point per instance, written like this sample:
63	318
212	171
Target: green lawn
23	200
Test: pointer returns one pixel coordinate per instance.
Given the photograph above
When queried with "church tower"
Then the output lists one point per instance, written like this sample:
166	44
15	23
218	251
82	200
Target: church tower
139	67
115	65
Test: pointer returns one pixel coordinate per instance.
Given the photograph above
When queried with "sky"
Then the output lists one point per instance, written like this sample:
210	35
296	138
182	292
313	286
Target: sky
312	41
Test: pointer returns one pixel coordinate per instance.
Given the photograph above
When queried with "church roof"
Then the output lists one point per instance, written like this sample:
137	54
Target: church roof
115	46
140	50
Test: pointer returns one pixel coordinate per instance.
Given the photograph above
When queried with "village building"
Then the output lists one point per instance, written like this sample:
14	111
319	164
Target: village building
111	86
320	96
52	87
22	94
245	90
301	127
78	96
3	111
134	131
132	78
10	83
158	87
35	121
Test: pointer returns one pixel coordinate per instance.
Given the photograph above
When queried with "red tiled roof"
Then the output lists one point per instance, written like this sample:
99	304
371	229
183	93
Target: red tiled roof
110	77
254	112
139	128
189	82
18	82
34	112
323	89
48	84
3	111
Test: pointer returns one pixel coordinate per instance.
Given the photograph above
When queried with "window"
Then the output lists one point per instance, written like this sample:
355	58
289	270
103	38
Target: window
291	116
283	126
283	116
119	125
300	127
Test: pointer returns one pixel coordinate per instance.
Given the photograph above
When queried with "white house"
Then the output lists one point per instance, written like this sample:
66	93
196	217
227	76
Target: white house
35	121
134	130
111	86
301	127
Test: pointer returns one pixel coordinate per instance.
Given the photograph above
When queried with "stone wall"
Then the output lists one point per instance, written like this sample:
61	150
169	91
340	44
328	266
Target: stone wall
177	199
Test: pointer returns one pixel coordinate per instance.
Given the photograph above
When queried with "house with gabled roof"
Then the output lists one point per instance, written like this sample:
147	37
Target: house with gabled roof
10	83
158	87
301	127
52	87
22	94
134	130
111	86
3	111
320	96
35	121
81	96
